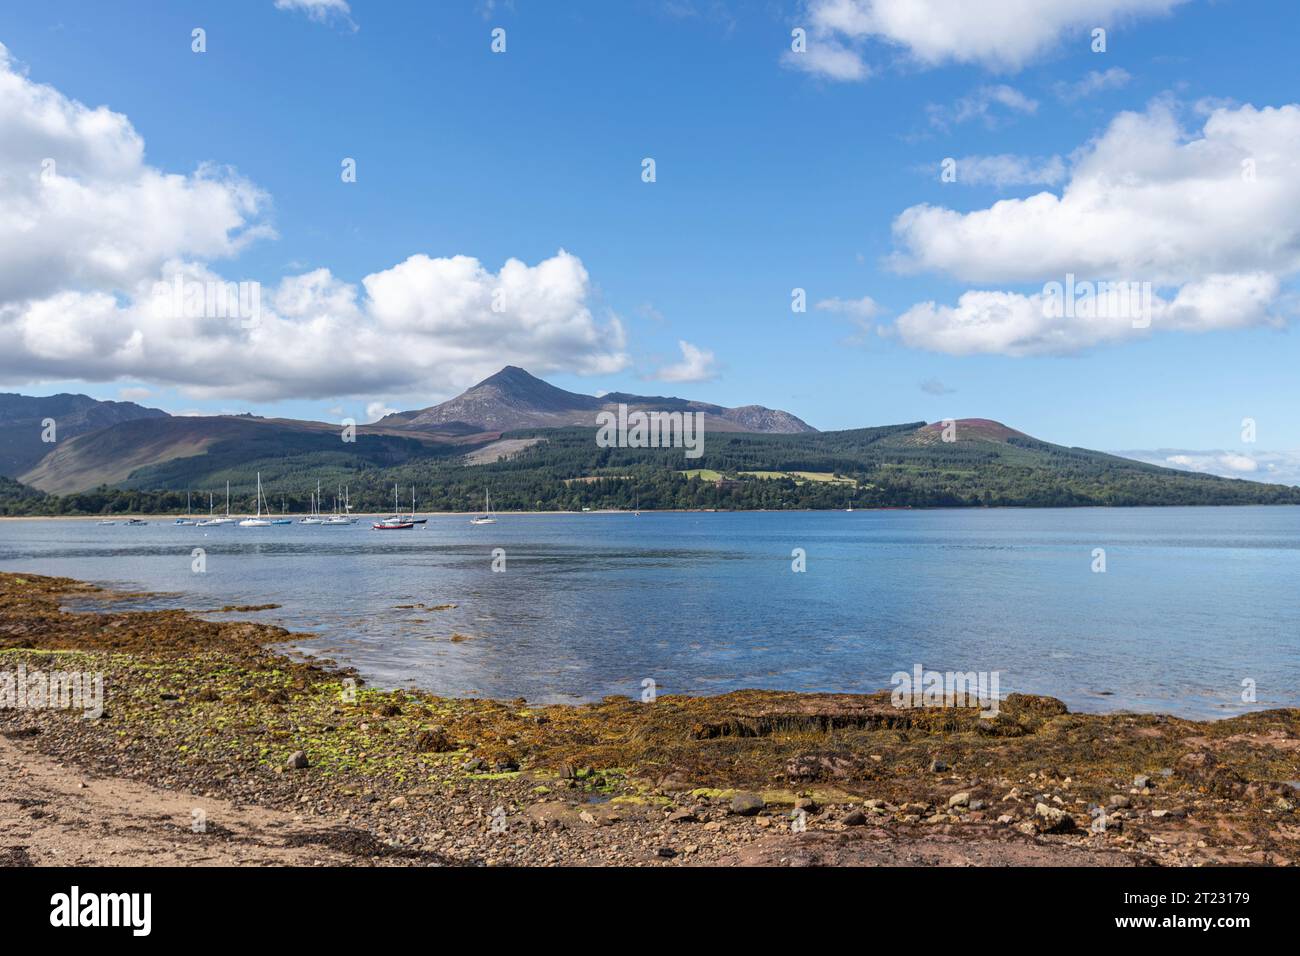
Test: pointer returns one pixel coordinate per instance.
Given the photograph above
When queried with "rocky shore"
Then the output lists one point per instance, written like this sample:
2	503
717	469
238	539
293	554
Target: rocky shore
213	747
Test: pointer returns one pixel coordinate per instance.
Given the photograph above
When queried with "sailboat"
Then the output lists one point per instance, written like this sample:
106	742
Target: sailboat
337	518
314	517
411	517
396	522
486	517
188	519
259	521
282	519
222	520
340	517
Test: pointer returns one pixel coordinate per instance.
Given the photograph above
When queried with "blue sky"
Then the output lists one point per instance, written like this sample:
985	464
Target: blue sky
772	173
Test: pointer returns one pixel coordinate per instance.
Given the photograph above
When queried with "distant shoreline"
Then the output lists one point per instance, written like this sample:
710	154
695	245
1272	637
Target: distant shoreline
296	517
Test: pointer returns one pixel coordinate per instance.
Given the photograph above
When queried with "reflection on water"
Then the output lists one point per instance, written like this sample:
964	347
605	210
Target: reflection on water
1194	600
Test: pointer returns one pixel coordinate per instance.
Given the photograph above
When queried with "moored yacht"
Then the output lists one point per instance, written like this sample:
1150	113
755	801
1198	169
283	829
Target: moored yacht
258	521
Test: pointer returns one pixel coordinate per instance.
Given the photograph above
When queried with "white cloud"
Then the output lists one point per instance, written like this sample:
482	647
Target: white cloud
424	326
697	365
378	410
989	104
1095	81
1145	200
134	394
1002	36
80	256
1275	467
1214	217
1009	170
829	59
1011	323
80	208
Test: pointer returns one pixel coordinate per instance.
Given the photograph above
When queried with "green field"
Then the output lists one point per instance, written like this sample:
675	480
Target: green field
799	477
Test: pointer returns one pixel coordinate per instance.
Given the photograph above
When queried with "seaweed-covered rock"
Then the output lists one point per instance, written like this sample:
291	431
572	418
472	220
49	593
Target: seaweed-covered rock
433	741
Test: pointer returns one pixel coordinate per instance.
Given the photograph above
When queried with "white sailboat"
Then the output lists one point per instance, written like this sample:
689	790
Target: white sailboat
487	517
259	521
315	516
338	517
222	520
189	517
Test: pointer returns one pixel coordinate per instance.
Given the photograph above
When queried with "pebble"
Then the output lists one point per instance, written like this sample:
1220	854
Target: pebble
297	761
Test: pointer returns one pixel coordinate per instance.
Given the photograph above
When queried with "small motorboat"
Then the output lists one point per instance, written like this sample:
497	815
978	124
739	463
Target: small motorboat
135	521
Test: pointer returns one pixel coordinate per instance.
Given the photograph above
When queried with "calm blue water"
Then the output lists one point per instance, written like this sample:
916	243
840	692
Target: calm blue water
1193	601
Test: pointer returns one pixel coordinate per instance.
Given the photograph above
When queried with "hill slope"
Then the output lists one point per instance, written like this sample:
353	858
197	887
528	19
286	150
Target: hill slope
21	416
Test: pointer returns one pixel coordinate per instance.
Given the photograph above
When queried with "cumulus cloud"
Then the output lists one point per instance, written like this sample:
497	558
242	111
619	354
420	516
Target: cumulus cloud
697	365
80	208
1211	220
1276	467
425	325
89	256
1011	323
1002	36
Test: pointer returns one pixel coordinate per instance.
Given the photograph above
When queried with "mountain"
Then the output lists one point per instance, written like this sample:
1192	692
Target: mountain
22	417
513	399
751	457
